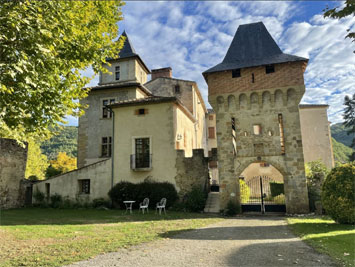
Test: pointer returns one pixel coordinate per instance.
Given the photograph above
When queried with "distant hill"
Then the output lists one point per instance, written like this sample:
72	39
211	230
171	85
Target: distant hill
65	141
339	133
341	152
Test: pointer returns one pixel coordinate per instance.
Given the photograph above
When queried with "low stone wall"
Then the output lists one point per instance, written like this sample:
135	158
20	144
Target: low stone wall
13	158
191	171
68	185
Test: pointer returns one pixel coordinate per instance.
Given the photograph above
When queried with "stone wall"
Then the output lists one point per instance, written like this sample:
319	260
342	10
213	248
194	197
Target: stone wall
191	171
13	158
68	186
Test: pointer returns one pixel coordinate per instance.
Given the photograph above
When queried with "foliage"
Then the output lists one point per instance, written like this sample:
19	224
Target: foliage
276	189
279	199
341	152
244	191
100	202
348	10
195	200
316	172
155	191
82	234
349	119
32	178
232	208
37	163
45	46
339	132
56	200
38	196
50	172
63	140
326	236
63	163
338	196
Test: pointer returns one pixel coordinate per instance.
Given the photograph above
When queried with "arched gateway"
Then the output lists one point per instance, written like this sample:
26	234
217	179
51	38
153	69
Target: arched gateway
255	93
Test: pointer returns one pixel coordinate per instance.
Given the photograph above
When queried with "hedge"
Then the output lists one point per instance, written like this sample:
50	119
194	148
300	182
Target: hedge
276	189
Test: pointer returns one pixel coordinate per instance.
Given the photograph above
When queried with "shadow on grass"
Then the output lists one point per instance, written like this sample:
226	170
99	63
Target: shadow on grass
48	216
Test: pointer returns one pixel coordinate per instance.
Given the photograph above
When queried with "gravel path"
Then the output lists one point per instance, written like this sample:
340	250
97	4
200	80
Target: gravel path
244	241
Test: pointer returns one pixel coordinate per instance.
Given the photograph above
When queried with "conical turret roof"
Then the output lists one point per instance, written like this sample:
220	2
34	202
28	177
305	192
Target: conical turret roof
252	46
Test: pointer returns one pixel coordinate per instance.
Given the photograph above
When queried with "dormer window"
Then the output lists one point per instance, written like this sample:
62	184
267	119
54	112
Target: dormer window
236	73
117	73
177	89
269	69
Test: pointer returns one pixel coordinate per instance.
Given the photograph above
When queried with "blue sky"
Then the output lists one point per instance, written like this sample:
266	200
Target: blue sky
191	37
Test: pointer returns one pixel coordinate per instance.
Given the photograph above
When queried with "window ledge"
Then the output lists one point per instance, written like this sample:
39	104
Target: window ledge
142	169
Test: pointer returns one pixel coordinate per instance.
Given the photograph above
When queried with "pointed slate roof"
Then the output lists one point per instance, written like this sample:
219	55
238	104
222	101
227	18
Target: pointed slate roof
252	46
128	51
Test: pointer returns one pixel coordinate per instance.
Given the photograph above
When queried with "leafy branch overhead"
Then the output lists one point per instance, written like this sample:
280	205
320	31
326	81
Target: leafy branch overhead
44	46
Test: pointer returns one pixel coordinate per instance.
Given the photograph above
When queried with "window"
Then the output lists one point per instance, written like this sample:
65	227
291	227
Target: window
282	138
257	129
269	69
84	186
106	112
236	73
264	164
106	146
252	78
142	156
177	89
117	73
211	133
141	111
210	117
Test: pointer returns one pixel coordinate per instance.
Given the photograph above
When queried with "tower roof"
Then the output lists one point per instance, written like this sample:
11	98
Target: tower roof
252	46
128	51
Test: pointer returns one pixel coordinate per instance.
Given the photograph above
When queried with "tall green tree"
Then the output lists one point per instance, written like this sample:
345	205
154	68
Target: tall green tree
44	46
37	163
349	119
348	9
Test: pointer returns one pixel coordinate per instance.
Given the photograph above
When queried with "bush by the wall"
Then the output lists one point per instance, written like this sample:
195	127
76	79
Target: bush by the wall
39	196
276	189
244	191
155	191
232	208
195	200
338	196
100	202
56	200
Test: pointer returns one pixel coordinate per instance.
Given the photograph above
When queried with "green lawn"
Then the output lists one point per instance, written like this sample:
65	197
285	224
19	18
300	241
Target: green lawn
326	236
54	237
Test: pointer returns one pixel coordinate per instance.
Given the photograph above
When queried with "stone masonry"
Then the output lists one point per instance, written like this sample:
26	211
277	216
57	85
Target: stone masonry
13	158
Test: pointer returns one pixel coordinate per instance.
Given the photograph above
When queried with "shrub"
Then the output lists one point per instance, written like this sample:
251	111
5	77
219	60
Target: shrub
316	172
100	202
232	208
56	200
338	194
244	191
155	191
33	178
276	189
279	199
39	196
195	200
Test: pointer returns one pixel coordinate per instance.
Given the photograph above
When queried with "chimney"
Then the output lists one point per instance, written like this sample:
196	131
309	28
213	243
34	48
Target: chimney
163	72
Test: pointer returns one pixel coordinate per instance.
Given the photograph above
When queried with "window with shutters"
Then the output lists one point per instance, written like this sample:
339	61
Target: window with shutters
106	146
142	157
211	133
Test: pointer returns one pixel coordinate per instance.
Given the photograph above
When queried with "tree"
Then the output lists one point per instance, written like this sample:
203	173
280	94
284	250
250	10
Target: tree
44	46
63	163
37	163
336	13
349	119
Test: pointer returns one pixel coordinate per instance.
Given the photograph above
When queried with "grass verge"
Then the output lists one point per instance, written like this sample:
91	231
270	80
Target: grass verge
54	237
326	236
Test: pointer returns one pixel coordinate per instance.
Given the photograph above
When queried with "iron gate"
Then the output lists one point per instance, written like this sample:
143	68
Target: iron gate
262	194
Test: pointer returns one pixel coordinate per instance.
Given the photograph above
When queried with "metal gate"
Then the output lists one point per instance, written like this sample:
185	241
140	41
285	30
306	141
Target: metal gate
262	194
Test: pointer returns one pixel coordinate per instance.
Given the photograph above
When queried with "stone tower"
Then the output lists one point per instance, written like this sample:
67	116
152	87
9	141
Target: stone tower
124	81
255	92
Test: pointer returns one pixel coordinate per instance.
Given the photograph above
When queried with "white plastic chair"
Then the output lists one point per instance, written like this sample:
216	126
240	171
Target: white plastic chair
144	205
161	206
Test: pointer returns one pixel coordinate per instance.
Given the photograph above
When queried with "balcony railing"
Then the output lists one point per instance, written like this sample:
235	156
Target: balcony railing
142	162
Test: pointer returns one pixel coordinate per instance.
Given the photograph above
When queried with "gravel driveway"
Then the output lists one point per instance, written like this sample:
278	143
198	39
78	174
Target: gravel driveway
243	241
